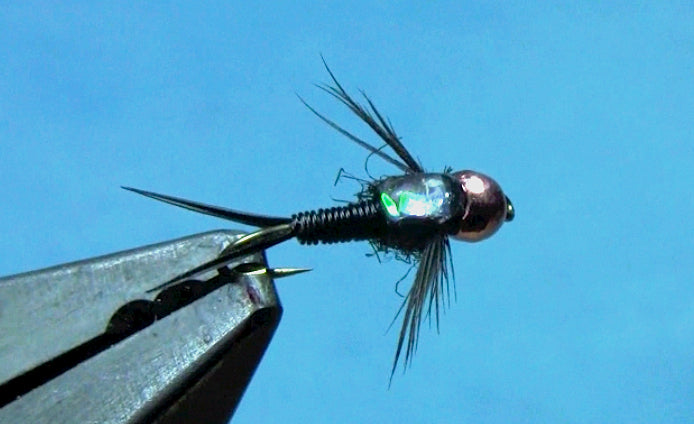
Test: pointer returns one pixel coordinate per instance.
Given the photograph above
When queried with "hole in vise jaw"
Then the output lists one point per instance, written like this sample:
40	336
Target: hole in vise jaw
131	318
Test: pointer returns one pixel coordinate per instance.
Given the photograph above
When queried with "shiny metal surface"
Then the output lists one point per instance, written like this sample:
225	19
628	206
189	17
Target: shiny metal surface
487	207
192	365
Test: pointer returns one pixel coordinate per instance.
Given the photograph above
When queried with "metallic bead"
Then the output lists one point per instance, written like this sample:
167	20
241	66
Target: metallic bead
486	208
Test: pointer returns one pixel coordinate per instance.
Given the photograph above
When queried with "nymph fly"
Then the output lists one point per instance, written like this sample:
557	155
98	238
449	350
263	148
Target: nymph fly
413	215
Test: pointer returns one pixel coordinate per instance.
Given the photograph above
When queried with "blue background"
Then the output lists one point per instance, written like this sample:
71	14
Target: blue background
580	311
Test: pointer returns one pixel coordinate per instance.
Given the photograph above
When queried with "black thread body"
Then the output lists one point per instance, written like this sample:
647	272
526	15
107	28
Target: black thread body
356	221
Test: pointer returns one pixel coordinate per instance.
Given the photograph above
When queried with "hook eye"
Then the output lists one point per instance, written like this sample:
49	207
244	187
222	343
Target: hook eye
510	210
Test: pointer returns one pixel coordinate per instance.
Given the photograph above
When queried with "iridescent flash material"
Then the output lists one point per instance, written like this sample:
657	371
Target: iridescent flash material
412	215
430	197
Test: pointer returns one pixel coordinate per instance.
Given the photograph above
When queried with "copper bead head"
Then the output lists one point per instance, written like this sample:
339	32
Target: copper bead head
486	206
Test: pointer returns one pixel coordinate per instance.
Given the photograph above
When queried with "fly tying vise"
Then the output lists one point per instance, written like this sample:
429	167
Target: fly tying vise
413	215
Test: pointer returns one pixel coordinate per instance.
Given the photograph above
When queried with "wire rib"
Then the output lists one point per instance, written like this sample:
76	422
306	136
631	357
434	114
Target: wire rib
355	221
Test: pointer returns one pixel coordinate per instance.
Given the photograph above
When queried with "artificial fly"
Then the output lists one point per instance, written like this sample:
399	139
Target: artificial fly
412	215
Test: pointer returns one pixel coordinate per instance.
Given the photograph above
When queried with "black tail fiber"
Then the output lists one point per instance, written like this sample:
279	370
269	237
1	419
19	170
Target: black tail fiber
217	211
